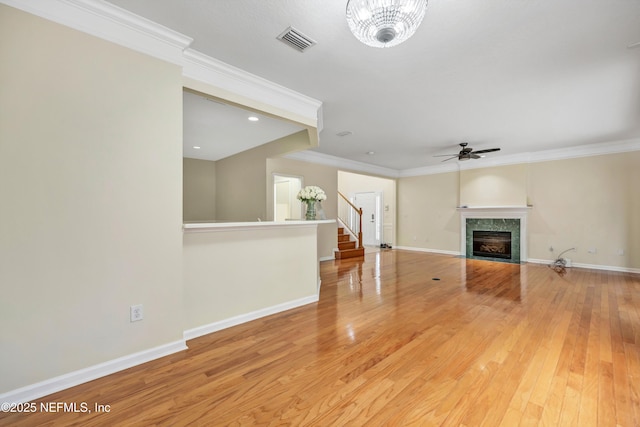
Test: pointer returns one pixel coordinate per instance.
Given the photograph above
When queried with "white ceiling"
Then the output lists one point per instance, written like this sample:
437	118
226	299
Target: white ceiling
522	75
221	130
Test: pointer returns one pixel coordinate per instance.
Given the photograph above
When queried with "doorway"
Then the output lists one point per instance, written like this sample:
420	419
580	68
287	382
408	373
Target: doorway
371	204
285	204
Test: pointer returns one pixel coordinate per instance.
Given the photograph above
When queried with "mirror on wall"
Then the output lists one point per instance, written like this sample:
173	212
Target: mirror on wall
285	204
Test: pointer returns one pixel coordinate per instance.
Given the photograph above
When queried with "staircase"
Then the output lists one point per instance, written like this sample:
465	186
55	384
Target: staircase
347	247
349	226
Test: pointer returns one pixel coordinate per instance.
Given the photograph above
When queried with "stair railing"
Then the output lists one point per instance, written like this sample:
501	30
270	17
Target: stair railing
351	217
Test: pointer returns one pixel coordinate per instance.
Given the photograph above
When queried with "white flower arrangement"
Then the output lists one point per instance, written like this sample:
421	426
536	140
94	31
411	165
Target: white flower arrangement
311	193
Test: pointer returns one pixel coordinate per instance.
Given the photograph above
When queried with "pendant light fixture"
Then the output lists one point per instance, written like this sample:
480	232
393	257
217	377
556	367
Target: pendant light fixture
384	23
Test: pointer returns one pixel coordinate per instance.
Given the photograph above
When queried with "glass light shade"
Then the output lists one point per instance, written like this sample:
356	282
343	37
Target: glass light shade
384	23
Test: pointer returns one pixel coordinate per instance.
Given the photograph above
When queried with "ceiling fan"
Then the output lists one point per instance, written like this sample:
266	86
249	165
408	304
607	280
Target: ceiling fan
467	153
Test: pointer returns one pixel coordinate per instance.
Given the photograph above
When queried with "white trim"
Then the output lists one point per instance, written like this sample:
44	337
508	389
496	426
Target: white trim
205	69
531	260
531	157
511	212
109	22
341	163
328	258
433	251
259	225
590	266
44	388
491	211
247	317
115	24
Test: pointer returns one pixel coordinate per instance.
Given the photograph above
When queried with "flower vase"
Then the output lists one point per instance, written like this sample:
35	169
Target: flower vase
310	214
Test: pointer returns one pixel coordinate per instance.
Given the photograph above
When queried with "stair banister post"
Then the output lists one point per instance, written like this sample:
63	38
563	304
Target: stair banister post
360	229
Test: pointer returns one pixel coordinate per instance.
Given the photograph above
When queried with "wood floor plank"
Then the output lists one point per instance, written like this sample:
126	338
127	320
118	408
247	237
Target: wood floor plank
387	345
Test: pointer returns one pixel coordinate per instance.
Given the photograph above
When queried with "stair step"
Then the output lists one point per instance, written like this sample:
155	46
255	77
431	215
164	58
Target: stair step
349	253
340	230
343	238
346	245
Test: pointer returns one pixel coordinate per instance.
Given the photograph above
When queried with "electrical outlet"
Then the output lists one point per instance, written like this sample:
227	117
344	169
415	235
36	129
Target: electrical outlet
620	252
592	250
136	312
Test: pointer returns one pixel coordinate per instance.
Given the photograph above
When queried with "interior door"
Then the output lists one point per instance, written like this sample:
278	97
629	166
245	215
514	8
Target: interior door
285	204
370	203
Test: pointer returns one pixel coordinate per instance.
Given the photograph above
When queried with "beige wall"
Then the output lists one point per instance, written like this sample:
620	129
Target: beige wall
325	177
219	285
91	166
199	190
242	183
587	203
590	202
350	183
498	186
427	216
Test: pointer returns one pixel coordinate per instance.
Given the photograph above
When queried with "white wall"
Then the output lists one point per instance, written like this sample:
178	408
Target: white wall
91	203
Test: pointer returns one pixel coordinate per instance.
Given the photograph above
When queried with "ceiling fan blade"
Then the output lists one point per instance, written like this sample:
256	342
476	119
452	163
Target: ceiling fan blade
454	157
445	155
490	150
475	156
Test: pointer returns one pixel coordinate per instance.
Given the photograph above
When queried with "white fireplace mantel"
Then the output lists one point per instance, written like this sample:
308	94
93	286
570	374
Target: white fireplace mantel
498	212
491	211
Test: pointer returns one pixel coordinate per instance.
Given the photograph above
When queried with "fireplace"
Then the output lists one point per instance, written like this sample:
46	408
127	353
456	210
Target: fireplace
492	244
494	233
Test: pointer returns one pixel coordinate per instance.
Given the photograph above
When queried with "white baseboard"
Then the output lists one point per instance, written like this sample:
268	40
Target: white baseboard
327	258
432	251
591	266
53	385
247	317
534	261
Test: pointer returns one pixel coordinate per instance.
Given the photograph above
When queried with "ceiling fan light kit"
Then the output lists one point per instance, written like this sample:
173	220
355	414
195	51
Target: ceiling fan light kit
384	23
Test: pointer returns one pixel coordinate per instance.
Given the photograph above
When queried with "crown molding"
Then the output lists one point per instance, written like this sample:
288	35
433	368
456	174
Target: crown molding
613	147
208	70
112	23
341	163
430	170
534	157
115	24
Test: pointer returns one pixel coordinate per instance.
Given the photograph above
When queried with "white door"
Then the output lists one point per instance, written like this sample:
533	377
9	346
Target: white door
285	204
371	217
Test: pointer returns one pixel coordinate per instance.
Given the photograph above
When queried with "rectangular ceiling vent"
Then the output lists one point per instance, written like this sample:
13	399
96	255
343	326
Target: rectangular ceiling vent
296	39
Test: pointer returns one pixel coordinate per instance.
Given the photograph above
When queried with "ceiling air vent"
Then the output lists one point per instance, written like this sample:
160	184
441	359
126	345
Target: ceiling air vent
296	39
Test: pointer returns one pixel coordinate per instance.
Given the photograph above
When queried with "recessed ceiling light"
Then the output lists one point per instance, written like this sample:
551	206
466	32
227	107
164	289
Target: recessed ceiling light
196	147
344	133
371	153
253	119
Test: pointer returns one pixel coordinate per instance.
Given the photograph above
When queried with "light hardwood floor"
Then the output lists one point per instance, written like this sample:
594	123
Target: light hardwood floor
403	338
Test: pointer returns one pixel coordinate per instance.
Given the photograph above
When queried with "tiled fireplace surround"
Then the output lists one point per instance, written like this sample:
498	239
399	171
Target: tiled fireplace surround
495	218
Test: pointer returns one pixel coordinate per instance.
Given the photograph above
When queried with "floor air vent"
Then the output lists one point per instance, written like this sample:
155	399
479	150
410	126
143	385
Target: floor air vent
296	39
